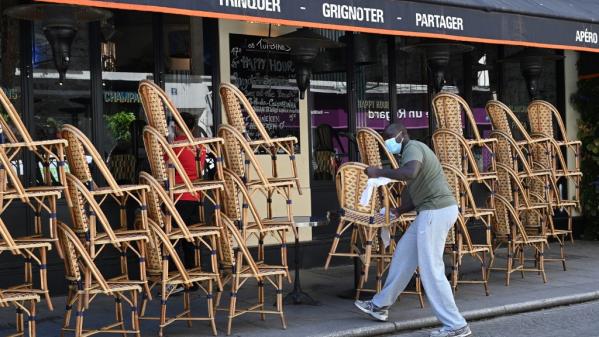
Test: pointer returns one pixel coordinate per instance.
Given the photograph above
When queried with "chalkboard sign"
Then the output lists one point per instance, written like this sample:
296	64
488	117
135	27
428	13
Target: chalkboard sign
264	72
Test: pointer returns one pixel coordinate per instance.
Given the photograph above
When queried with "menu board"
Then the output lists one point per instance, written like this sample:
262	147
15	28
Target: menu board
264	72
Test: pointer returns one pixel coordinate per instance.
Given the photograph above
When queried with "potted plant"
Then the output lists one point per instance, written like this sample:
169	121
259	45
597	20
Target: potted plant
121	161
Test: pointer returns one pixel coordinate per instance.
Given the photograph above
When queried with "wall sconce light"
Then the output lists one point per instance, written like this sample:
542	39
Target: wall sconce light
60	25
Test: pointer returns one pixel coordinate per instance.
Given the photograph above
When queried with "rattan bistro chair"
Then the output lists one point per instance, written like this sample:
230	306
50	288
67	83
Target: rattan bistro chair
87	213
541	117
364	224
239	266
19	299
164	163
80	147
15	138
86	282
162	210
458	238
240	158
239	207
516	203
33	249
161	111
161	253
235	103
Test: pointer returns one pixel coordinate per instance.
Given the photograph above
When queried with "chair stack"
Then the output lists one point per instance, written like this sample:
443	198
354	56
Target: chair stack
167	226
522	212
542	117
246	185
15	144
457	154
94	235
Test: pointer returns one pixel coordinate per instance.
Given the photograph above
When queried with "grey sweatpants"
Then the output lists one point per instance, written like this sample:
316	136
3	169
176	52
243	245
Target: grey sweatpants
422	246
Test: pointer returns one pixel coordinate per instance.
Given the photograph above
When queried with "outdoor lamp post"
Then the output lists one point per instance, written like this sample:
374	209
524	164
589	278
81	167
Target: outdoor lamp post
60	25
531	65
305	45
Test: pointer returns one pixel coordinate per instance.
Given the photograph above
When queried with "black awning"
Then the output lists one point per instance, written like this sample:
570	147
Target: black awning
560	24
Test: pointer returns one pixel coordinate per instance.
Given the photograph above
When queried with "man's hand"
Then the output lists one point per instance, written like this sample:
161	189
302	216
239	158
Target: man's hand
372	172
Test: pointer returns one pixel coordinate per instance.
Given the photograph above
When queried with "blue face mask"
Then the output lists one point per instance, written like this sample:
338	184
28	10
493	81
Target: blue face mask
393	146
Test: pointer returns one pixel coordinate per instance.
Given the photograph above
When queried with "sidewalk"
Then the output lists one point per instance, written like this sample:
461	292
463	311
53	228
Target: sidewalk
338	317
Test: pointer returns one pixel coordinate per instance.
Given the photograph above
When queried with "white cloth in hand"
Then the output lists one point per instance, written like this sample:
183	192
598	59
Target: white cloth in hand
370	186
385	234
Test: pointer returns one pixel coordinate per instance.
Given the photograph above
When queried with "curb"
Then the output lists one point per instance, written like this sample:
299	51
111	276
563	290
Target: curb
472	315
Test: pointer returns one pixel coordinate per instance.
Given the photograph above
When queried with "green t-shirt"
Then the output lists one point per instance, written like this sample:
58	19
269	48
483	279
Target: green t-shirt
429	190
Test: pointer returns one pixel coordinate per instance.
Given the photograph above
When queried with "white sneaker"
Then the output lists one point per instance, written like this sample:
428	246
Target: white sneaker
380	314
444	332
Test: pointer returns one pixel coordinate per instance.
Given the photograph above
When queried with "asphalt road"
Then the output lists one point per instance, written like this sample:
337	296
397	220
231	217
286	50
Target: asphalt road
580	320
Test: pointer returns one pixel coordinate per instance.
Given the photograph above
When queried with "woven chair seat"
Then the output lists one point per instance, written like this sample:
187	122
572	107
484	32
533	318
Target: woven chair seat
376	220
34	192
122	188
199	186
272	182
27	243
531	239
195	230
121	236
35	143
480	212
273	141
15	295
263	270
116	286
195	275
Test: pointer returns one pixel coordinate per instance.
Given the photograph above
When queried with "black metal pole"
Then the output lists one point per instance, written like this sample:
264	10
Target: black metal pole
392	78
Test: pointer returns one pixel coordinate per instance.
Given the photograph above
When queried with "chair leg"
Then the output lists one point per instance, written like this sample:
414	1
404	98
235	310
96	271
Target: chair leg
521	260
510	256
31	324
211	308
187	306
335	243
118	313
20	322
232	303
542	261
419	289
134	314
483	270
80	311
163	299
261	299
44	278
562	252
71	298
280	300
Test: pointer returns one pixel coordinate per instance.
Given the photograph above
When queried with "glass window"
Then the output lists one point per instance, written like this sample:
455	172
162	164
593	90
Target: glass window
127	58
189	60
10	72
329	112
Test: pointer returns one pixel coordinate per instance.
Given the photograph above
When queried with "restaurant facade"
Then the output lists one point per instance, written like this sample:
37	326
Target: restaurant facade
382	69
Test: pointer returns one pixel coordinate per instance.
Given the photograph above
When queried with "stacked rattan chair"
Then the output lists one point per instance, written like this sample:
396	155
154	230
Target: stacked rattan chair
24	302
84	193
235	104
459	240
542	117
15	143
239	266
363	223
526	159
86	282
161	254
457	154
372	151
167	224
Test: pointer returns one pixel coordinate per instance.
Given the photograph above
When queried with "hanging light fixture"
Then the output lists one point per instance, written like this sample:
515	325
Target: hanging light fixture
305	45
333	60
59	24
531	66
437	56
